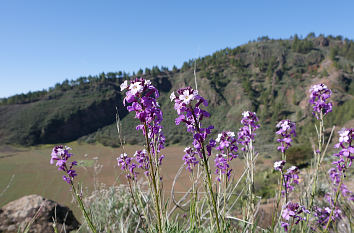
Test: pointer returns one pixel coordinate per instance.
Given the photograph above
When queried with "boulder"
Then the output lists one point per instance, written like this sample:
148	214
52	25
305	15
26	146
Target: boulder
18	213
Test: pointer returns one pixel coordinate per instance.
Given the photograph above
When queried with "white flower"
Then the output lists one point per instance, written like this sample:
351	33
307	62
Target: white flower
124	85
246	114
279	124
344	135
123	156
230	134
218	138
172	96
186	97
278	165
136	88
318	87
285	125
147	82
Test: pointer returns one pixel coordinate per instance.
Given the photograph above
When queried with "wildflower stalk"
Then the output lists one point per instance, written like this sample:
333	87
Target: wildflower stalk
207	174
82	207
143	98
320	94
285	187
337	195
275	216
192	208
334	204
225	188
246	136
61	154
153	179
318	159
250	178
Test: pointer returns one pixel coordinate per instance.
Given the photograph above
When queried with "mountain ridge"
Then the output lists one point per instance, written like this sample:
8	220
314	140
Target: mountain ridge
270	77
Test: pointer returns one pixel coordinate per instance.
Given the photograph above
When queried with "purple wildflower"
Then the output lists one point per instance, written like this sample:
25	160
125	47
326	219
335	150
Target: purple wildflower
292	213
222	165
126	164
345	144
337	174
188	106
61	155
190	159
246	133
227	147
286	129
142	95
143	161
320	94
322	215
345	155
291	177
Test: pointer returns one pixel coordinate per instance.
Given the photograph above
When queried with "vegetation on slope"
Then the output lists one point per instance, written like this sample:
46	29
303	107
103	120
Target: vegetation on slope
270	77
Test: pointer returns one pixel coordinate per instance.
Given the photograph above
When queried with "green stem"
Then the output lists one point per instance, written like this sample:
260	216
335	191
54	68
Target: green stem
153	179
334	204
206	167
211	191
82	207
278	202
250	158
225	190
320	137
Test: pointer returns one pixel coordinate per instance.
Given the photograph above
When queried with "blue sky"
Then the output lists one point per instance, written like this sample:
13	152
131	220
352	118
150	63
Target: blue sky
45	42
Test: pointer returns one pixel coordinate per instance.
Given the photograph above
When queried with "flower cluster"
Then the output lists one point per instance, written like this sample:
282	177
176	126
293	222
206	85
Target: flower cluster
246	133
322	214
190	159
188	106
126	164
291	177
337	174
227	148
61	155
292	213
222	166
286	129
345	144
142	95
143	161
345	155
320	94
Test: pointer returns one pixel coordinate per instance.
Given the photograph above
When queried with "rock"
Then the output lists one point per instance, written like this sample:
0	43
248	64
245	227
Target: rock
18	213
321	41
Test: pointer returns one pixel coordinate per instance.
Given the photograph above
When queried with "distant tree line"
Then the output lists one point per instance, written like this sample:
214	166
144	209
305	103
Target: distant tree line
210	66
84	83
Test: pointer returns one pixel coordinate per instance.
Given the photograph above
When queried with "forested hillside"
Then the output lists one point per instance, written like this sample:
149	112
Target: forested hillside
270	77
